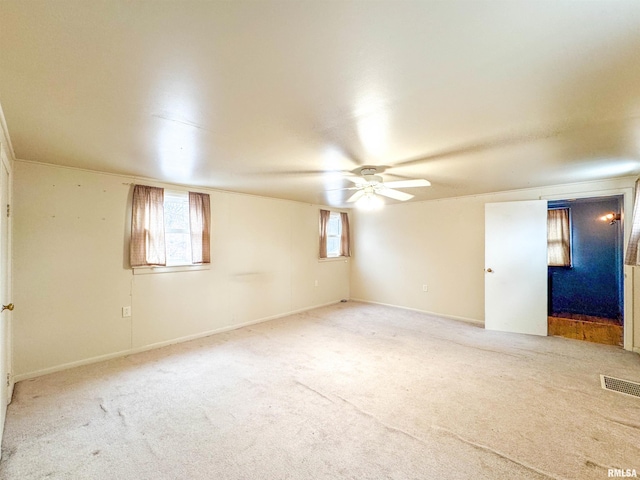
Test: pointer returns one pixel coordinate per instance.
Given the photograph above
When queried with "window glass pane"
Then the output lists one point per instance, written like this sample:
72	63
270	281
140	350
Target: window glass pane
176	215
178	247
333	228
333	246
176	227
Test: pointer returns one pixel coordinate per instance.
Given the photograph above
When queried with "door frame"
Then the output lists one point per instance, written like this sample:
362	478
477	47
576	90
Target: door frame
7	347
9	277
627	277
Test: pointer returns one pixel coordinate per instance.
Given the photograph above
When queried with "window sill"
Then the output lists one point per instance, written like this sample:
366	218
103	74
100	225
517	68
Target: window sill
171	269
333	259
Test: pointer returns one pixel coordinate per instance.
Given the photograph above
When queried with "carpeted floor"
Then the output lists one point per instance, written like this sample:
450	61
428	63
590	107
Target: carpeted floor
351	391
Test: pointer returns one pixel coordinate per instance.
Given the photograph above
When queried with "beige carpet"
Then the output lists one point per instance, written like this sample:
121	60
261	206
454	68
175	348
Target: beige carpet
353	391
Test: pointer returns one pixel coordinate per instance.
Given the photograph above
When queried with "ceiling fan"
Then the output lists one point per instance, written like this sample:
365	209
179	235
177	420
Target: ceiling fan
370	185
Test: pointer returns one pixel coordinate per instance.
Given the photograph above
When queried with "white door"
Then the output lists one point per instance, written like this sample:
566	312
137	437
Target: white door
5	316
516	267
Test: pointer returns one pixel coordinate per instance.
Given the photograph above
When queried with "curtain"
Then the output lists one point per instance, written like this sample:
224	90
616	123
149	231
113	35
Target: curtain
631	257
200	219
345	243
147	227
558	238
324	222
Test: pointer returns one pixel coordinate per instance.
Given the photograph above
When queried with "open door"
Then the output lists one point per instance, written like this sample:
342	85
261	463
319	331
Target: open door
516	267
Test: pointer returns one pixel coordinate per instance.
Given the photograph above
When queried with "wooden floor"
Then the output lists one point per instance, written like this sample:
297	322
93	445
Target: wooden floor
606	331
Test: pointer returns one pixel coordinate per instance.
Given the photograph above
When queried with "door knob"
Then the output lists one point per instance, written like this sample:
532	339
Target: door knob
489	270
7	307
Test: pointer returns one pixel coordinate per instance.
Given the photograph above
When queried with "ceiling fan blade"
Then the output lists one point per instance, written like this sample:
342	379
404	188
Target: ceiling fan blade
395	194
341	189
408	183
355	196
302	173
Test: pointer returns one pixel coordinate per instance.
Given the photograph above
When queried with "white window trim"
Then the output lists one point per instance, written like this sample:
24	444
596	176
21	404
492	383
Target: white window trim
338	236
570	266
341	258
169	269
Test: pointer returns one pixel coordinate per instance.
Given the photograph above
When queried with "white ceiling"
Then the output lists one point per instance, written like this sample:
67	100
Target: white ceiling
282	98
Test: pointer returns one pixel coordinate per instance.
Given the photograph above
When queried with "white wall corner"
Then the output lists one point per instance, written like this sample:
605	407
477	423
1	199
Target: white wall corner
457	318
5	134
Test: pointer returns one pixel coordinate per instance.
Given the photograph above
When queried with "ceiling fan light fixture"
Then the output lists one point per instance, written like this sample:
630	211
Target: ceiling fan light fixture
371	188
369	201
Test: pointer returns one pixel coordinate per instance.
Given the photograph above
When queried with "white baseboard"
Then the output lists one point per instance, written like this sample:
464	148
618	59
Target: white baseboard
12	384
474	321
145	348
452	317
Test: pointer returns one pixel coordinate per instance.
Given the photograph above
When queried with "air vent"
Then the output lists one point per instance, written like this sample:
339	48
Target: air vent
620	386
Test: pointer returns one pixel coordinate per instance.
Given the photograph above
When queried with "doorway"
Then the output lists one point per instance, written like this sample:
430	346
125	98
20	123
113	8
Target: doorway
586	295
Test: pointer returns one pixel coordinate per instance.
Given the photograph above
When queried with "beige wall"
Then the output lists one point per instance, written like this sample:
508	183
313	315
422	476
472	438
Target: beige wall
440	244
71	277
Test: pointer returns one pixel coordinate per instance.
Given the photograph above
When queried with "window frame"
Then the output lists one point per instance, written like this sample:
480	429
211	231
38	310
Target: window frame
337	236
570	240
174	267
177	197
334	257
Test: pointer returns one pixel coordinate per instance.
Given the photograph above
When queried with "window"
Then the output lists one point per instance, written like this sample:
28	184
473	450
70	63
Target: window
334	235
169	228
334	232
177	233
558	237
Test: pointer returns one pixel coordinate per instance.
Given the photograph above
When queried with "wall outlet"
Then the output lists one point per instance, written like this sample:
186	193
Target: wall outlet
126	312
425	288
316	283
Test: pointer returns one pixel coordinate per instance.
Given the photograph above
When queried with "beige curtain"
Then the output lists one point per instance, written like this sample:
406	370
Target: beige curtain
147	227
558	238
324	222
200	220
345	237
631	258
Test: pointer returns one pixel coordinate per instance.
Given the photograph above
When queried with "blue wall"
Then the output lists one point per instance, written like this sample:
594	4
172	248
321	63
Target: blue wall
593	285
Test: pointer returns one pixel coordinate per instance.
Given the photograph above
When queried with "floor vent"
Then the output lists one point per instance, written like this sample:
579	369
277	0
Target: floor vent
620	386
